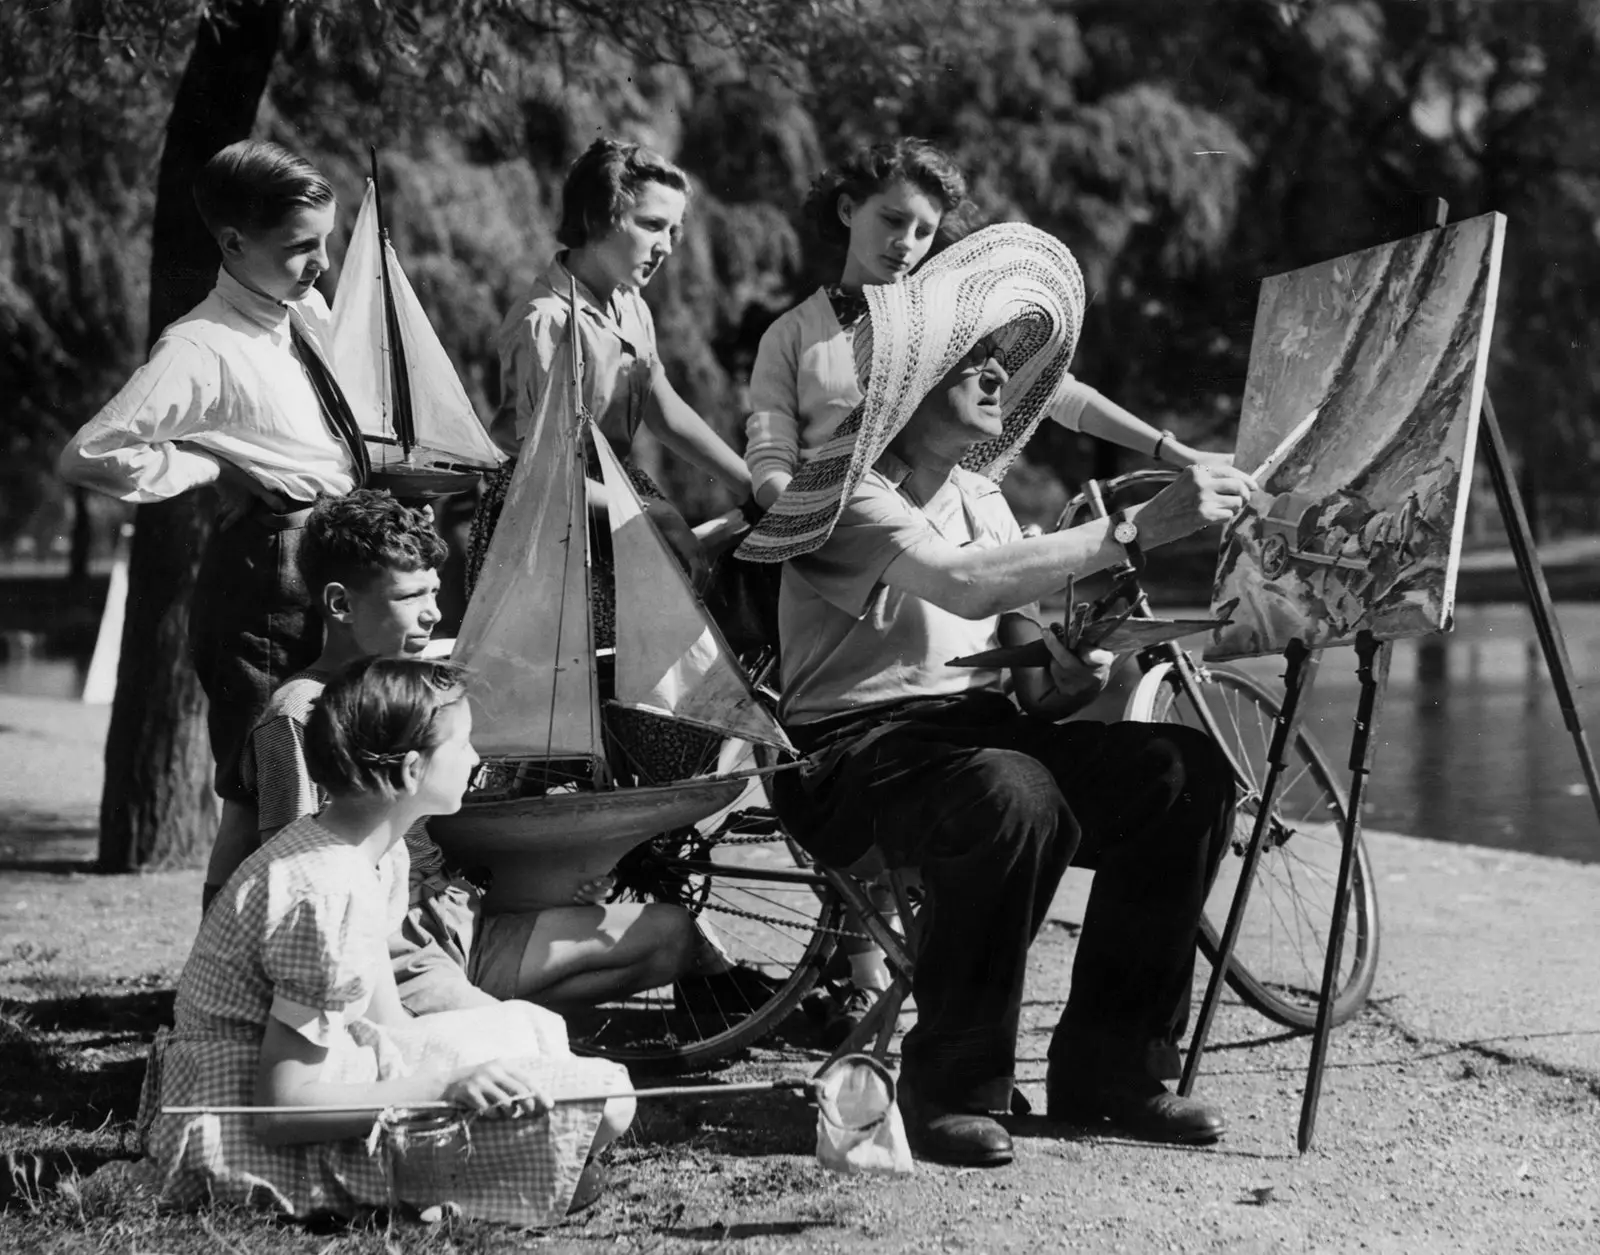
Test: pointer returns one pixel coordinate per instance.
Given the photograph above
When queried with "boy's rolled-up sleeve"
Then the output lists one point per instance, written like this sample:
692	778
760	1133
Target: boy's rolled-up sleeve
131	449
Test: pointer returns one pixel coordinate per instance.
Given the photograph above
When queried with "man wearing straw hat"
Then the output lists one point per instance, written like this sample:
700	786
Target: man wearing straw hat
901	554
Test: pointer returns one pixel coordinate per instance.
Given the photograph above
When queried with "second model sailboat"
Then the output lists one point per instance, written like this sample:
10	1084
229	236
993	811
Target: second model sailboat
424	438
573	731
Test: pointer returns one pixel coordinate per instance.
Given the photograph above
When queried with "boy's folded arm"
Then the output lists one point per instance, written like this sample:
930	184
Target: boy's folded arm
135	447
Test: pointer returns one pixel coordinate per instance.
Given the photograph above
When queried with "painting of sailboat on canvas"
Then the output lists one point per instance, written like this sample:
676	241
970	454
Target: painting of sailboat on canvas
1359	523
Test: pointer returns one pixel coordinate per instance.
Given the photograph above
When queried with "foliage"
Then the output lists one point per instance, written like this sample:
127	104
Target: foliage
1184	153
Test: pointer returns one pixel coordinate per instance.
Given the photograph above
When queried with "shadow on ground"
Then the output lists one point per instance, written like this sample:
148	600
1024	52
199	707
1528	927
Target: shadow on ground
73	1068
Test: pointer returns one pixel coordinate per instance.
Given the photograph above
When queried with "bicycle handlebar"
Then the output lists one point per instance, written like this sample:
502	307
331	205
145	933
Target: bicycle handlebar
1094	491
1092	498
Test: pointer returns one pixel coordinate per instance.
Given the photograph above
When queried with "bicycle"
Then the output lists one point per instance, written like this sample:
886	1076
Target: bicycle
760	898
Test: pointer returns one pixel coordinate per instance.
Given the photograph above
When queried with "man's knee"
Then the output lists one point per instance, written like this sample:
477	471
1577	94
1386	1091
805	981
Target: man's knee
1203	769
1001	796
1184	762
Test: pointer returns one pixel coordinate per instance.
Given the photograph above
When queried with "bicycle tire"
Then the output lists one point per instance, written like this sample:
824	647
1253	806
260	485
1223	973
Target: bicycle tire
1278	960
708	870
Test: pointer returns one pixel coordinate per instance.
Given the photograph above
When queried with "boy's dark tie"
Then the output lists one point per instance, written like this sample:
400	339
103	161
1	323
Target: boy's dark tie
335	409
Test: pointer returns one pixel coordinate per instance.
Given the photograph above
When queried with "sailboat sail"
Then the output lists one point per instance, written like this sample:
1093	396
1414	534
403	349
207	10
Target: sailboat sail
527	637
671	660
446	424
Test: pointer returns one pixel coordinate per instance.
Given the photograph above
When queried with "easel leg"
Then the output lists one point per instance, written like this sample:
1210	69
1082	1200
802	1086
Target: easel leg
1297	682
1373	668
1539	601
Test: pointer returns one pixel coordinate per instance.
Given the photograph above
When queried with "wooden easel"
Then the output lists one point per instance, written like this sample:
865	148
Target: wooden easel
1373	670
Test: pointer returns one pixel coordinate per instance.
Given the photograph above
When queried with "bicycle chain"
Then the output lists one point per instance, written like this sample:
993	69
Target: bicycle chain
780	923
760	838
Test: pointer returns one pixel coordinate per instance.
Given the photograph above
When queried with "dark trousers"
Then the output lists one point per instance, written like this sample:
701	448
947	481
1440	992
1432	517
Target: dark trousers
251	627
992	806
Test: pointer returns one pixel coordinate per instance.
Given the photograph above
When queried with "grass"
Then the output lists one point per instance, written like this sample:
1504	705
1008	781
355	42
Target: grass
72	1056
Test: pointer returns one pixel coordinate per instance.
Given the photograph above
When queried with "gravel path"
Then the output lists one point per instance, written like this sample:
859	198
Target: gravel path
1461	1111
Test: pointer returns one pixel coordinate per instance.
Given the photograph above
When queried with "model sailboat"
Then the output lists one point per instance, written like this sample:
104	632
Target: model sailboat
572	731
423	436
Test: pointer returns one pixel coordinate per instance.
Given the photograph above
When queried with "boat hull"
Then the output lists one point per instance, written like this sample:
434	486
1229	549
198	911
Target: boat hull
428	473
416	483
541	849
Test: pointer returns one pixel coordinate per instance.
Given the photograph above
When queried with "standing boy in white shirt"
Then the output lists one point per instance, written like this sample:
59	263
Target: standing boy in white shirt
238	393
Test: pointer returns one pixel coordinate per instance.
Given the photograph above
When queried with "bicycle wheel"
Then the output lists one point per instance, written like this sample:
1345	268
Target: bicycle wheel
1283	940
755	899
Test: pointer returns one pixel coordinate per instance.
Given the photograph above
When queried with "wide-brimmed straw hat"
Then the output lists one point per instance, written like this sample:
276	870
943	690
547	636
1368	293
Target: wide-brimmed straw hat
1009	281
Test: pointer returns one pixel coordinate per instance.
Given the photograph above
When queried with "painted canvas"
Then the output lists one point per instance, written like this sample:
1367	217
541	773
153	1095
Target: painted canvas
1359	522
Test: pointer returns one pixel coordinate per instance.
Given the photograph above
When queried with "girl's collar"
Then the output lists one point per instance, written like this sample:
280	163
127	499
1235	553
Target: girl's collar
848	307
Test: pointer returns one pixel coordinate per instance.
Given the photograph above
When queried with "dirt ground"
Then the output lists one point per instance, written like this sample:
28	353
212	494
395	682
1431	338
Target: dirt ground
1423	1144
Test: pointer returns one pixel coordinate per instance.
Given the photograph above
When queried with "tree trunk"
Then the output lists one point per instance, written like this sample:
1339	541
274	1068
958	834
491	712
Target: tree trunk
158	808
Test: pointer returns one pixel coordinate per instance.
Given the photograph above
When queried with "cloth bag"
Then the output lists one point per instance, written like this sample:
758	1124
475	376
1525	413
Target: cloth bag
859	1128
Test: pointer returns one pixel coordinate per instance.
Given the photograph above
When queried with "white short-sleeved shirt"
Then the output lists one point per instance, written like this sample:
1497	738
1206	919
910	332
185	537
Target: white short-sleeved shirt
852	642
617	341
222	380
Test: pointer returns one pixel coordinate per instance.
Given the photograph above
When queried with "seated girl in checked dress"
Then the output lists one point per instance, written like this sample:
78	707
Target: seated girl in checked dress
288	1001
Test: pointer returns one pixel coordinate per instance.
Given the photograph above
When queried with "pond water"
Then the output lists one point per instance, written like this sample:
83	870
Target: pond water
1471	742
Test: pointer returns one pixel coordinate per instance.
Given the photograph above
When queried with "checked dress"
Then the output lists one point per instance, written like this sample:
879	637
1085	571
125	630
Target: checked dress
299	934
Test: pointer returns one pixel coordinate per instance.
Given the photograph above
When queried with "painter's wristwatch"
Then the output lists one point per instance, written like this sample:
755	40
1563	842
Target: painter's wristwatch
1126	533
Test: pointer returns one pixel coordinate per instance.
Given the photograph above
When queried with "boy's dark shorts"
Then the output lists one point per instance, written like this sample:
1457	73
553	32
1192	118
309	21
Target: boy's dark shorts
251	627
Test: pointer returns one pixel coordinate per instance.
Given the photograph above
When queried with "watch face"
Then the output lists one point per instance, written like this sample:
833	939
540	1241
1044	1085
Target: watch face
1124	532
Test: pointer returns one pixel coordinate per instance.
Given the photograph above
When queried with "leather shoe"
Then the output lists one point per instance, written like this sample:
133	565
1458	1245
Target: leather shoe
1136	1106
965	1139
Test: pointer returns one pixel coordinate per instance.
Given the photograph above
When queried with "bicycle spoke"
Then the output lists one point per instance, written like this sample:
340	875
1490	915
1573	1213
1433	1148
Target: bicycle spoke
1247	760
1278	958
1299	915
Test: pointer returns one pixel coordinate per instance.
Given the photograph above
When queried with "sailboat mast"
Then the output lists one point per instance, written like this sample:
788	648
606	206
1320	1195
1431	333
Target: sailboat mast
405	426
602	769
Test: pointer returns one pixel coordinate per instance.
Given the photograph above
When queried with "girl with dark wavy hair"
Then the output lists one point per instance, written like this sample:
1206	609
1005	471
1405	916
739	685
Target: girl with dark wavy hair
880	214
876	215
